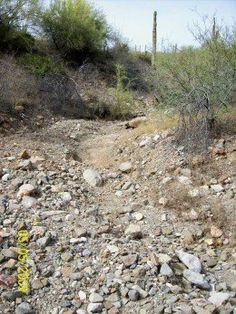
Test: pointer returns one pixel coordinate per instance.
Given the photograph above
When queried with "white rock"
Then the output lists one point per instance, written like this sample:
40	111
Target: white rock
196	278
163	258
184	180
26	190
6	177
95	298
65	196
92	177
217	188
165	270
94	307
29	201
145	142
126	167
138	216
82	295
218	298
134	231
191	261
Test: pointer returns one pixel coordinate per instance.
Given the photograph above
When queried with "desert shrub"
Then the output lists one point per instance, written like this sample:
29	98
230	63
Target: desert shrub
123	100
17	86
41	65
198	82
14	35
75	27
143	56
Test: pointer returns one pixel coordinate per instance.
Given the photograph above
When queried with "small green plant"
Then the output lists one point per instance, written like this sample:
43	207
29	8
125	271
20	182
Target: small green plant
41	65
124	102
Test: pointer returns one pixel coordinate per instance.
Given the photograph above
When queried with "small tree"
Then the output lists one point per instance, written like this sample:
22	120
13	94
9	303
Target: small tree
74	27
199	81
14	17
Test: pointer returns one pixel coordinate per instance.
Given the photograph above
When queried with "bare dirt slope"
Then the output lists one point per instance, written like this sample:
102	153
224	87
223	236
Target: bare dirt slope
110	213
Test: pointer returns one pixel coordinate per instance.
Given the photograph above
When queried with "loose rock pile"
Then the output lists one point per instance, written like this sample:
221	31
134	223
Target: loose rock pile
114	239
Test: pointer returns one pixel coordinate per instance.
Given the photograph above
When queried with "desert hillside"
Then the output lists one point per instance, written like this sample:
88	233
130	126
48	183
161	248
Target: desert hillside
117	166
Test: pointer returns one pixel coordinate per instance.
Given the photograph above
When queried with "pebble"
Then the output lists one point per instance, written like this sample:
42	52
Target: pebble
92	177
191	261
196	278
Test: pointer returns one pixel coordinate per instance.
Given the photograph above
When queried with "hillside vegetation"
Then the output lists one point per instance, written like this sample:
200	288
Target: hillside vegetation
80	67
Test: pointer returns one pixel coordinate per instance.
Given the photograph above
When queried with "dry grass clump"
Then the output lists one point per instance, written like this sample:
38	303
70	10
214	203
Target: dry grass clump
18	89
178	197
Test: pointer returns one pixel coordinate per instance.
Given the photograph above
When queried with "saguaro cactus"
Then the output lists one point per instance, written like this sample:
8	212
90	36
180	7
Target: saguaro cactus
154	38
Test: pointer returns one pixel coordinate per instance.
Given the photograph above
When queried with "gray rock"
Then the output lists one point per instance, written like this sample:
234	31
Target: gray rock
6	177
189	260
92	177
94	308
65	196
166	270
134	295
45	241
134	231
218	298
126	167
28	202
24	308
26	190
196	279
95	298
217	188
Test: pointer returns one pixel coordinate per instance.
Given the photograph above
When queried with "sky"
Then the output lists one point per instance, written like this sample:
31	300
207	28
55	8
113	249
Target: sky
133	18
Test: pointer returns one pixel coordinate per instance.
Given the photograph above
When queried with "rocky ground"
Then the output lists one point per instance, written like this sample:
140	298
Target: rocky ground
120	221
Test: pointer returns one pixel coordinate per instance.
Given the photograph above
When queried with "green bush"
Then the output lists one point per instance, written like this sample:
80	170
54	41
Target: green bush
14	36
41	65
74	26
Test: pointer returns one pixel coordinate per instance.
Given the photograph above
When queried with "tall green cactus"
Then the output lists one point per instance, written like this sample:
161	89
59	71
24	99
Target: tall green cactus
154	38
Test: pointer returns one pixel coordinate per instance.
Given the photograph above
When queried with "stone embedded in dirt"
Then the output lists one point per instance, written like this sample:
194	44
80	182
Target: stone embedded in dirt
134	295
202	306
10	253
218	298
82	295
95	308
129	260
165	270
95	298
26	165
216	232
134	231
163	201
184	180
189	260
127	185
81	232
6	177
24	308
65	196
45	241
92	177
196	279
163	258
126	167
26	190
29	202
138	216
217	188
145	141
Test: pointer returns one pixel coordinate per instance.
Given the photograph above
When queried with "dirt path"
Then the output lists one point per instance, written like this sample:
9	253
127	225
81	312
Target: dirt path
111	249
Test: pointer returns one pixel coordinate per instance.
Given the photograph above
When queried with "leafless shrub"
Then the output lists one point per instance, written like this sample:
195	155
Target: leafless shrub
17	86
